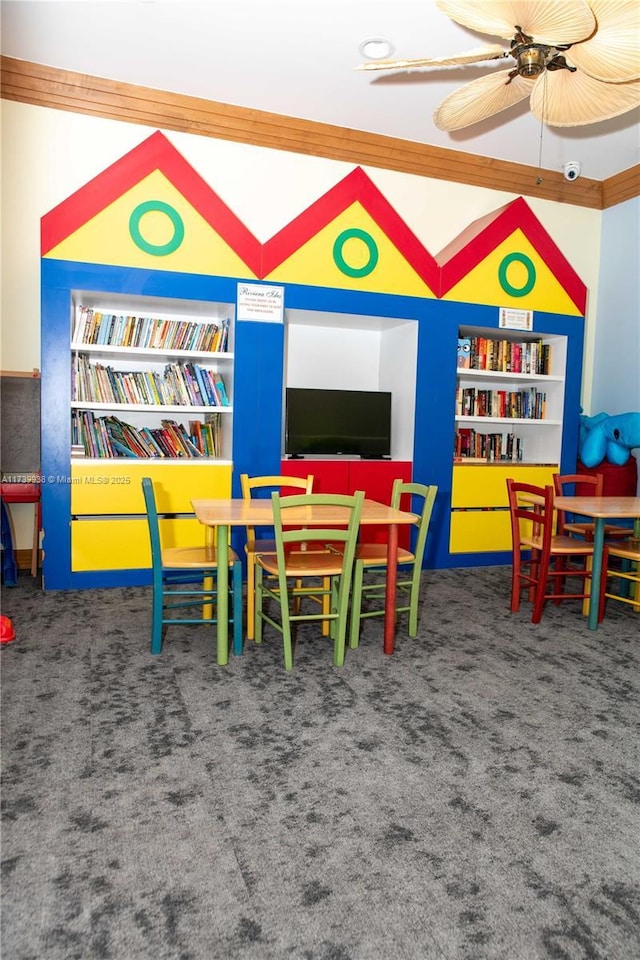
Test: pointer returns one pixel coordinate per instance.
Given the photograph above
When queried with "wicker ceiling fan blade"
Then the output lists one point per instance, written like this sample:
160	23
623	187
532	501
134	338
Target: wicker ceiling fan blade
480	99
613	53
563	99
547	21
478	55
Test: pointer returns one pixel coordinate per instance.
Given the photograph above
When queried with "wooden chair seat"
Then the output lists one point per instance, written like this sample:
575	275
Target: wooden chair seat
587	530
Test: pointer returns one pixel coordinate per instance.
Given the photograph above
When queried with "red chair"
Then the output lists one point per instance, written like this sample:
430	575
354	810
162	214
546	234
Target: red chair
27	493
583	485
540	557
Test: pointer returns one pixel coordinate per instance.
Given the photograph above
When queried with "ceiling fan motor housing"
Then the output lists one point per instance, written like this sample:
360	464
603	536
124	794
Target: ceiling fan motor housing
532	59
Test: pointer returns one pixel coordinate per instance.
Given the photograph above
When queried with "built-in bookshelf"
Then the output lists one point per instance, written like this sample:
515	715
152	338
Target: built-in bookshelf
509	397
151	378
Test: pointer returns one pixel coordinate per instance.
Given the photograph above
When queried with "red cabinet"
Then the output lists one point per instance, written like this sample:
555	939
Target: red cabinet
375	477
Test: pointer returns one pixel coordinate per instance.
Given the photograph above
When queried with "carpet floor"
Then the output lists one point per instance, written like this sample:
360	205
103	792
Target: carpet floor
476	796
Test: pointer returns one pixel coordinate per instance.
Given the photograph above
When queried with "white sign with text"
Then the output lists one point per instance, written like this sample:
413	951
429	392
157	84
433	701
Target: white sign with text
511	319
257	301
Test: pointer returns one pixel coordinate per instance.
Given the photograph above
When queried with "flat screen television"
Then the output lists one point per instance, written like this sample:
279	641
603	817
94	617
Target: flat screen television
349	422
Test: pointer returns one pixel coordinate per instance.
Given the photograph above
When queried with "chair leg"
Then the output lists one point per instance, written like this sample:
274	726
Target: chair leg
207	608
587	589
286	629
236	581
326	605
542	569
414	597
515	582
251	596
356	604
156	617
341	604
257	606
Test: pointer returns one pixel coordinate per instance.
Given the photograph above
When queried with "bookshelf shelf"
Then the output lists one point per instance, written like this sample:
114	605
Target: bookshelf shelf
506	422
152	353
148	376
465	374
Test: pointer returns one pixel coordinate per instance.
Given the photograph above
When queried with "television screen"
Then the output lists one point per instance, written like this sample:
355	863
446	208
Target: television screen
350	422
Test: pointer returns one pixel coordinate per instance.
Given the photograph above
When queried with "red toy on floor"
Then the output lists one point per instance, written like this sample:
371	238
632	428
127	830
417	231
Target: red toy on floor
7	633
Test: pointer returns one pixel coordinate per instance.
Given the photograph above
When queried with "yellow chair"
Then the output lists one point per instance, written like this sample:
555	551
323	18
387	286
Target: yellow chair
294	563
257	546
628	574
372	556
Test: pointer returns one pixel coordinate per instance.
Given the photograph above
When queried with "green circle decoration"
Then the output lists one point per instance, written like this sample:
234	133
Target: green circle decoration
370	244
156	249
527	264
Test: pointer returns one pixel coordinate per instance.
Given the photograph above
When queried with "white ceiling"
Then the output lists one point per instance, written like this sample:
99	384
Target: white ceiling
296	57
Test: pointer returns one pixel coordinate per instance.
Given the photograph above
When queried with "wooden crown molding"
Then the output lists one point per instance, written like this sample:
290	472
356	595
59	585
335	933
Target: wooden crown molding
44	86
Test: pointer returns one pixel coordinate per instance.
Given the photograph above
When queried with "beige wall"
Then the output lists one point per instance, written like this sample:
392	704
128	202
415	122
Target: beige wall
48	154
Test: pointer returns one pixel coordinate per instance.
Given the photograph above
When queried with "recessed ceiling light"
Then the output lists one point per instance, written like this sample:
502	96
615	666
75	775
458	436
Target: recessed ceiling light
377	48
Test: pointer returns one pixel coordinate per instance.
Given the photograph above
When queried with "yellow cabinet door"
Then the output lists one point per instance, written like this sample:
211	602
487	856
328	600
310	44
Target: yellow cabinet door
486	486
106	534
480	521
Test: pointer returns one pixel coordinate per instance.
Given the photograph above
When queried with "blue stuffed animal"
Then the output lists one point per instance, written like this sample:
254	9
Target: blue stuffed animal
608	437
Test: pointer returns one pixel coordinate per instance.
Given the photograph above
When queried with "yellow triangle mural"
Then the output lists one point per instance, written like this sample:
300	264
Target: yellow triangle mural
352	252
514	275
152	217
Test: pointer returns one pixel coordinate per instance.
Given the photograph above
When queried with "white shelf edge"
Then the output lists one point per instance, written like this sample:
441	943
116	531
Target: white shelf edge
464	373
145	407
148	352
508	421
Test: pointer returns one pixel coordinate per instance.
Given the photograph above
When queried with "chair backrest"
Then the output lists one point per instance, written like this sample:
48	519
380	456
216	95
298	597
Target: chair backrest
422	500
152	521
265	486
531	509
343	529
565	486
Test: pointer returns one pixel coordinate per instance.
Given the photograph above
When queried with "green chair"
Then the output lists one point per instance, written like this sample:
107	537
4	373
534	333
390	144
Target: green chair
296	563
257	544
373	556
184	579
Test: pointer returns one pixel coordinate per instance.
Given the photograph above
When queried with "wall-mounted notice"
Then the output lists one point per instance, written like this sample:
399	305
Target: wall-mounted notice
257	301
511	319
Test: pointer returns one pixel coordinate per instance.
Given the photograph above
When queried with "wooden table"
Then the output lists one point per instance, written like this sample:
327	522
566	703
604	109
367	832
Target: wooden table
223	514
601	509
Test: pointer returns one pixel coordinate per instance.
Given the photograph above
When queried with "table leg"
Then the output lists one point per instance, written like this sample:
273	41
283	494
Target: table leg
598	547
223	595
390	596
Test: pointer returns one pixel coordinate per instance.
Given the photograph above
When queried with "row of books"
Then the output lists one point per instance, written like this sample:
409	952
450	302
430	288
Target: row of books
504	356
109	437
179	384
93	327
471	445
528	404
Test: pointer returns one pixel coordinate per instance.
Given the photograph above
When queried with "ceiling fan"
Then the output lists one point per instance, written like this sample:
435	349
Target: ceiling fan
578	61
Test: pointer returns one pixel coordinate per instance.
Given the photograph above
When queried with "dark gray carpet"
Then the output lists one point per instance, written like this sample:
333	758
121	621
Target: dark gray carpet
473	797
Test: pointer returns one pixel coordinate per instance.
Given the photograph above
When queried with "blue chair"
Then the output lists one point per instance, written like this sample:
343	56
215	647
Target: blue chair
184	579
